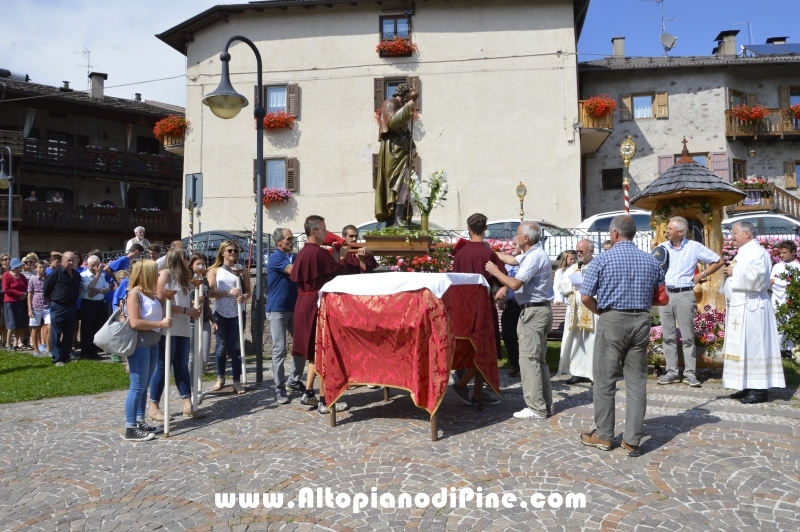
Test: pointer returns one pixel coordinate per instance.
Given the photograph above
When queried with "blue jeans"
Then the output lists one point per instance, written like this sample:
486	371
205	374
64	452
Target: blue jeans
62	324
179	359
142	364
228	344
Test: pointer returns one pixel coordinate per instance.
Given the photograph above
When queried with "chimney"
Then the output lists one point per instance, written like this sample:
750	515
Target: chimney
97	82
777	40
137	97
726	43
618	46
65	87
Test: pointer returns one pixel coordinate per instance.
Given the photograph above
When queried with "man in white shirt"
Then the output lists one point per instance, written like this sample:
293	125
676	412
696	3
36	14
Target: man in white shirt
138	239
787	250
177	244
94	309
680	278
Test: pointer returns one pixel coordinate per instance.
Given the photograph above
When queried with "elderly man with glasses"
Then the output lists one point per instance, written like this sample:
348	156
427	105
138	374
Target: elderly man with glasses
62	288
138	239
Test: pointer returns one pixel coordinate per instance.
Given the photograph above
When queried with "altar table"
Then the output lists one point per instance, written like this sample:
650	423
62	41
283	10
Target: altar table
405	330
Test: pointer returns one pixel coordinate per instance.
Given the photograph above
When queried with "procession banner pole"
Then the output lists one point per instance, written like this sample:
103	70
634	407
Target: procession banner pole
167	360
238	271
199	363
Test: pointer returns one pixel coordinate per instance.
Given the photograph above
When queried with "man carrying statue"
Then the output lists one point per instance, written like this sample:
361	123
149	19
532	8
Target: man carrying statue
392	200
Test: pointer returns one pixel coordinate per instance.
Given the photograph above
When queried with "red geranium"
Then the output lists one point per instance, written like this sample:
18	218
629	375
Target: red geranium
396	47
600	106
793	112
750	115
171	126
279	120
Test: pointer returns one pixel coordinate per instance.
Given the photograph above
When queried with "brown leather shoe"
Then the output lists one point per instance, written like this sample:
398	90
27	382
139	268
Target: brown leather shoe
631	450
591	439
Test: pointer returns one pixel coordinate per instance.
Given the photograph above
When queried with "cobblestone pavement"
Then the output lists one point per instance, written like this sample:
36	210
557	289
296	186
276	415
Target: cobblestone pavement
708	462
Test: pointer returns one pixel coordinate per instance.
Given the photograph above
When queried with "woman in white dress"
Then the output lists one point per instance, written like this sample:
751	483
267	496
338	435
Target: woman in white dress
565	260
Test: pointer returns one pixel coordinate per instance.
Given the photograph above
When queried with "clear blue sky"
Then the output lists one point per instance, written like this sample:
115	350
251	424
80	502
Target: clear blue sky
696	24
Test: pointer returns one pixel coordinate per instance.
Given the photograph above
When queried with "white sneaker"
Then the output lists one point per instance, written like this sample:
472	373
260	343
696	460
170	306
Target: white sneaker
527	413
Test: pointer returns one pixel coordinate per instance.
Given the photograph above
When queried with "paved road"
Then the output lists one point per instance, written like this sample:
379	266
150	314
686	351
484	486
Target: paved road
708	463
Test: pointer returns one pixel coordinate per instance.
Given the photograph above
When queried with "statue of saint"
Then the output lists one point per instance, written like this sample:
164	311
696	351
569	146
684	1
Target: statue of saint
392	200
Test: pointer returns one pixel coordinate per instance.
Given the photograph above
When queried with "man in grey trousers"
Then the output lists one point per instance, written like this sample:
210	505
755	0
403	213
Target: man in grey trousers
533	290
684	254
624	279
281	298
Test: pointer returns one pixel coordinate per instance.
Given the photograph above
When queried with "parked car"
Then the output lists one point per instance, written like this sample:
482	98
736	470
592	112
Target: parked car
595	228
208	244
767	223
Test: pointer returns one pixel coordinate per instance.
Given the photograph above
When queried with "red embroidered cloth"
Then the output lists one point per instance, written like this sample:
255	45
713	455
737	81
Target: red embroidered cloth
407	340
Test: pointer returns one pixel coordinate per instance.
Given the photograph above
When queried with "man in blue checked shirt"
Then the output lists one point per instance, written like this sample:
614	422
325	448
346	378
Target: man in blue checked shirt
624	279
680	278
281	298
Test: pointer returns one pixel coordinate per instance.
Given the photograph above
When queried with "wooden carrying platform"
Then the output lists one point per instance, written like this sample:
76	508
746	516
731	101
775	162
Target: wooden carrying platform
397	245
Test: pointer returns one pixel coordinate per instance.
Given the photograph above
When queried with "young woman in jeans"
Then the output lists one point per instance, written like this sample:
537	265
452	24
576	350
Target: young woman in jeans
175	271
197	264
226	313
145	314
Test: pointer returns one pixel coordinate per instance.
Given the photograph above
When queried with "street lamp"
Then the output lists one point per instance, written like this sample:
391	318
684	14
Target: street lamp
226	103
7	182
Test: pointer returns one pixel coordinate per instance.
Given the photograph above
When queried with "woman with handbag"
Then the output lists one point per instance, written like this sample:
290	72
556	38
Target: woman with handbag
175	274
145	315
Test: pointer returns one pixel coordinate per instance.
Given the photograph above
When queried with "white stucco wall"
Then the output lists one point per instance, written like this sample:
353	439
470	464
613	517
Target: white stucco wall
490	123
697	102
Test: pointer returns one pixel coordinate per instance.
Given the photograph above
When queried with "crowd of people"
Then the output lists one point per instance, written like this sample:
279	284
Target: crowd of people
608	315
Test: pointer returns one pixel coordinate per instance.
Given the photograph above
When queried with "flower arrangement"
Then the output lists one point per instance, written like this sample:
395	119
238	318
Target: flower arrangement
756	183
426	198
396	47
787	314
150	209
101	206
729	251
276	195
792	112
750	115
279	120
172	126
600	106
501	245
709	332
440	261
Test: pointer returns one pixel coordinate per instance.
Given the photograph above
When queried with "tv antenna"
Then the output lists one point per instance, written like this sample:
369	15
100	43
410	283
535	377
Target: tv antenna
667	41
749	28
89	66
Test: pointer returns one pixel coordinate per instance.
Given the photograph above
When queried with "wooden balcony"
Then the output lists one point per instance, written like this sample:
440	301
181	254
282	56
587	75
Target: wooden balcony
14	140
771	198
774	126
594	131
59	217
59	157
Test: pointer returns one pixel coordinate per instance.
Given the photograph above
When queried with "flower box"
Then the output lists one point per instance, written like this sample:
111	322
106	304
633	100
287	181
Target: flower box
397	47
279	120
750	115
276	195
171	127
600	106
752	184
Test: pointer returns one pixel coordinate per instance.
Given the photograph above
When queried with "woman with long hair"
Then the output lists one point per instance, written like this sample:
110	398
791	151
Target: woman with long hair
565	260
146	316
15	305
197	265
222	282
176	274
5	258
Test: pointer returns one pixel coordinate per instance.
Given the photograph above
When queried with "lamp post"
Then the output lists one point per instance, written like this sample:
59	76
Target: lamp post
627	149
7	181
226	103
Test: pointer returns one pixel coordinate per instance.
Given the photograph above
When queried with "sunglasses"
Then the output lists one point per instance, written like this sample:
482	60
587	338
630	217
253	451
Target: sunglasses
28	262
232	251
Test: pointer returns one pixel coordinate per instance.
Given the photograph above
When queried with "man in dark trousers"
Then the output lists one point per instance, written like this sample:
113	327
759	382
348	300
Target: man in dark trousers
62	288
624	279
312	268
472	257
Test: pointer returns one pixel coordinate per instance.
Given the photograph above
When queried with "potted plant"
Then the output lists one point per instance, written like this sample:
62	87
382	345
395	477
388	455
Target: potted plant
792	113
279	120
756	183
750	116
276	195
600	106
171	130
397	47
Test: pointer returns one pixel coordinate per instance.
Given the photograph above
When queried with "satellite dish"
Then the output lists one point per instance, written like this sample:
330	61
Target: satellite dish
668	41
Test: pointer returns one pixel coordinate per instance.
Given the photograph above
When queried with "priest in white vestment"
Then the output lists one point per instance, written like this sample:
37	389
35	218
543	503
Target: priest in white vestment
752	357
787	250
577	345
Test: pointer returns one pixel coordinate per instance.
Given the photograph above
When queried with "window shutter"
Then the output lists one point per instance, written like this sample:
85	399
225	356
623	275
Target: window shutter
665	162
415	83
790	177
662	105
293	99
380	92
292	174
374	170
752	99
625	105
719	165
783	97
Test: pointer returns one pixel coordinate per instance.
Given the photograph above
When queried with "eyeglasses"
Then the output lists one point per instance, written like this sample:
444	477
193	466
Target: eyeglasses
584	252
232	251
28	262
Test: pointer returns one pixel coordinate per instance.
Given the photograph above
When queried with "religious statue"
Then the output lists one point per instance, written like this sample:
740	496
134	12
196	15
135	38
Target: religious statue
392	199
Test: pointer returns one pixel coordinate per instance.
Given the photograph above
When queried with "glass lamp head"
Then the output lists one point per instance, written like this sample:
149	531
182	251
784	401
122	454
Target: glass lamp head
5	179
225	102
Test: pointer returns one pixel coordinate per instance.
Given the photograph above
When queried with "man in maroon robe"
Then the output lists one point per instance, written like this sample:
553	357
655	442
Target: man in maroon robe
471	257
312	268
361	262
